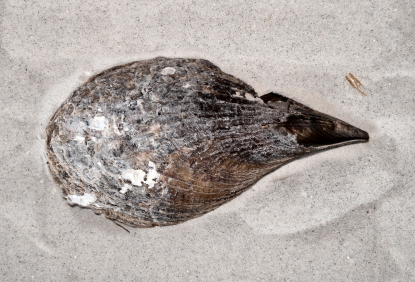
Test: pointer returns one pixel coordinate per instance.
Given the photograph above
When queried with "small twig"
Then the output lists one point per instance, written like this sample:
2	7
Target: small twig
121	226
355	79
355	83
351	82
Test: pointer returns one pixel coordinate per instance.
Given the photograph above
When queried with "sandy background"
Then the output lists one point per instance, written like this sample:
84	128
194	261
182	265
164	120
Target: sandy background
342	215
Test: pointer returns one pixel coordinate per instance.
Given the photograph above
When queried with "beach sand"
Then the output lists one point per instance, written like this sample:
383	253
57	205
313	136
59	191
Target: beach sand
347	214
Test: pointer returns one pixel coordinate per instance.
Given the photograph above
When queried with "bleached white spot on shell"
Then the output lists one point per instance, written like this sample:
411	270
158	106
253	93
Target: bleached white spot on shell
125	188
99	123
83	201
79	139
168	70
135	176
138	176
252	98
237	94
187	85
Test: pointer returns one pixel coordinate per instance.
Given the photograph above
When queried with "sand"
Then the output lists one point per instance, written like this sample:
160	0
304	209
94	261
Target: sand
343	215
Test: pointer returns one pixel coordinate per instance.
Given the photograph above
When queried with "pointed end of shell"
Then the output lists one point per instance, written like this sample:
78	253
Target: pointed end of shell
324	131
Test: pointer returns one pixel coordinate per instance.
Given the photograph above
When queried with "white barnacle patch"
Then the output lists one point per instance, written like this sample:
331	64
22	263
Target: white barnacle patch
168	70
135	176
99	123
138	176
82	201
252	98
79	139
125	188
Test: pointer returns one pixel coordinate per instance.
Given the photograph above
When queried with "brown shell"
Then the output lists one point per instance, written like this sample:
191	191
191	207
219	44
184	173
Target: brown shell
161	141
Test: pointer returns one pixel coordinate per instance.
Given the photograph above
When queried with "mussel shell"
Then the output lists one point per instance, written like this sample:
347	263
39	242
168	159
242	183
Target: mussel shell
161	141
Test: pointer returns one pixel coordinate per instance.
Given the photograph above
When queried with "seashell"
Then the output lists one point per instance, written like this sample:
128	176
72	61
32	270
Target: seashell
161	141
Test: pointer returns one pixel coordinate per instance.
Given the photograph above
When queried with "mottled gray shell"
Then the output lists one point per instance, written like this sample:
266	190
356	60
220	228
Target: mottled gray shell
161	141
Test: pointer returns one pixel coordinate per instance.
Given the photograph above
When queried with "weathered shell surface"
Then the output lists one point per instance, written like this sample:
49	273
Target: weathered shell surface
161	141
